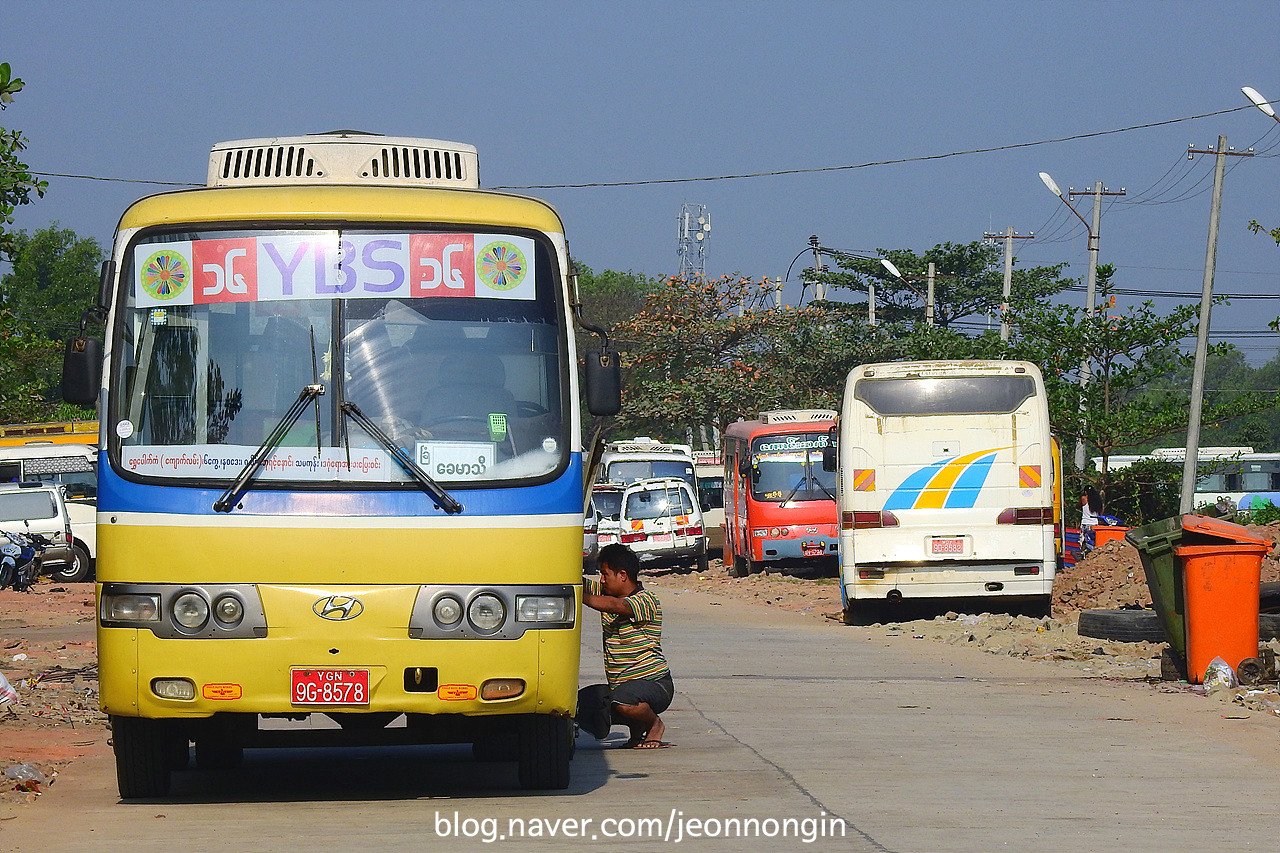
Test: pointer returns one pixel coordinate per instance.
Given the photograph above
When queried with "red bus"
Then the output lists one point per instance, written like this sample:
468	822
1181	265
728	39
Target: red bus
779	505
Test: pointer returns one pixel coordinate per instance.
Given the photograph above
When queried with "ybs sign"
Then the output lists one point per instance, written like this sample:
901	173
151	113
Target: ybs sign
329	265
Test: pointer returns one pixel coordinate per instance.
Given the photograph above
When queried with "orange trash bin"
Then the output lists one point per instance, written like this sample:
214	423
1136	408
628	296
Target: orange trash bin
1220	594
1102	534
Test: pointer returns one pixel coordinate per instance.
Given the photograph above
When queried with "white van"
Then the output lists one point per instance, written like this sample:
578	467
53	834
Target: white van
74	467
660	521
39	508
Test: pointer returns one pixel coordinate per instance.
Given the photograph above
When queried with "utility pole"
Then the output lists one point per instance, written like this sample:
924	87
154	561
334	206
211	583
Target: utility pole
928	302
1202	339
819	291
1086	364
1009	236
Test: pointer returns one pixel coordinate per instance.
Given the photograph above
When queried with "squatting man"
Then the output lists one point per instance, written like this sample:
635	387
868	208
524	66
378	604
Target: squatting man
640	686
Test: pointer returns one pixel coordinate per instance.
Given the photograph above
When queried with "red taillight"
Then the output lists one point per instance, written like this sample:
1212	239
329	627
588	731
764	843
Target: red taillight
867	520
628	538
1026	515
693	531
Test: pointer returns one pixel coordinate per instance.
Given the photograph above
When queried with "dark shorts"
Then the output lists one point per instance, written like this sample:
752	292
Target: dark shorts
657	692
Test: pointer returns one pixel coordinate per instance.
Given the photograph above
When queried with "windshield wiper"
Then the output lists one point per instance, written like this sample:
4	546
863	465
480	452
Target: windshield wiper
443	499
247	473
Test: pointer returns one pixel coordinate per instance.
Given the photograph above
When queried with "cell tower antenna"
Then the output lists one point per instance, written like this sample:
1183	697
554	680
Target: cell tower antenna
691	240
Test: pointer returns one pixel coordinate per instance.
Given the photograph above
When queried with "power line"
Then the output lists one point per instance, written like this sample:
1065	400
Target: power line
769	174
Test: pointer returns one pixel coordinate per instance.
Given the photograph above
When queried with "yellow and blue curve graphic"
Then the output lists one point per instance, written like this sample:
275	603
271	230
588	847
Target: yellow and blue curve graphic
947	484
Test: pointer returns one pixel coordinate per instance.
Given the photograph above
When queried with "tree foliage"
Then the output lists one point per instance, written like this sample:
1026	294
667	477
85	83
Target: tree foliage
53	280
968	281
1129	399
17	184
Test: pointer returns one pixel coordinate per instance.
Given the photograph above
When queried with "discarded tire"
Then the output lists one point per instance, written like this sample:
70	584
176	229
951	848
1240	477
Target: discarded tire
1127	626
1268	626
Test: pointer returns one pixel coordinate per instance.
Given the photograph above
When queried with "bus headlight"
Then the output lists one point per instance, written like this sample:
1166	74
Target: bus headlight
447	610
486	612
228	610
131	607
542	608
190	610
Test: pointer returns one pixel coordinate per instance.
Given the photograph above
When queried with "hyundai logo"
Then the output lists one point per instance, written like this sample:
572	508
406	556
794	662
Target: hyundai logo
339	608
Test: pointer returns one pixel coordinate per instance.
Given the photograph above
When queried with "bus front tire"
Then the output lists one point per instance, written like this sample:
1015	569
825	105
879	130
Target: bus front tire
546	745
739	568
143	750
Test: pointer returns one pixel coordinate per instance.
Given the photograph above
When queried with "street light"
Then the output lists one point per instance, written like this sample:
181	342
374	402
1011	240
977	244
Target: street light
1086	367
871	285
1259	101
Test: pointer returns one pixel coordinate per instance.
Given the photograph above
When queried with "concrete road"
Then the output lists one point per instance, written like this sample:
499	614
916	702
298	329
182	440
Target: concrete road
821	736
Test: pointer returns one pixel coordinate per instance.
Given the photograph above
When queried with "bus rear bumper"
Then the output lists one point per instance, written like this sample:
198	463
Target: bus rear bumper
1027	579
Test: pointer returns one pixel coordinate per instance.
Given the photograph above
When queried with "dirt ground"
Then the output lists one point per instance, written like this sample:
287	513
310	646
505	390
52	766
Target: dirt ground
47	650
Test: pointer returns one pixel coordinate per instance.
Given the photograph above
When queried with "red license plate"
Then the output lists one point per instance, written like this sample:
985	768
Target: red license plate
947	546
329	686
662	538
606	539
814	550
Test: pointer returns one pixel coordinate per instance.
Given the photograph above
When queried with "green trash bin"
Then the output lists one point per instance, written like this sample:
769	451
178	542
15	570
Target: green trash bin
1155	543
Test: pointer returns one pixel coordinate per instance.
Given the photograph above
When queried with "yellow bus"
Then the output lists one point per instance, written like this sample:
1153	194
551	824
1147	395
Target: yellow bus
341	480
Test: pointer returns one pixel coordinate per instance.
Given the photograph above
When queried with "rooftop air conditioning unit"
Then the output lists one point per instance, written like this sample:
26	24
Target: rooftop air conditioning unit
344	157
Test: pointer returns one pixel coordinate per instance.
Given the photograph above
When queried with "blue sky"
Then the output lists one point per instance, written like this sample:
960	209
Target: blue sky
583	92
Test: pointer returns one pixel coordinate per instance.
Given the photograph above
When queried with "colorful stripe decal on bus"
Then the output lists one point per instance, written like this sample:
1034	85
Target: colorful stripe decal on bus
864	479
1029	476
946	484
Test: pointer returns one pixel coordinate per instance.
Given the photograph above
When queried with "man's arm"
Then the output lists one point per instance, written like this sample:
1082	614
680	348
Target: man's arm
608	604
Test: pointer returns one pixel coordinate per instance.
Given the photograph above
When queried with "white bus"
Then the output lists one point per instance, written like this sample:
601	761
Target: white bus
1238	476
642	458
945	486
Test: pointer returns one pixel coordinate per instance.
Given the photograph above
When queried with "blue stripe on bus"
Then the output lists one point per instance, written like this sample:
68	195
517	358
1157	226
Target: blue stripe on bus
904	497
964	494
562	495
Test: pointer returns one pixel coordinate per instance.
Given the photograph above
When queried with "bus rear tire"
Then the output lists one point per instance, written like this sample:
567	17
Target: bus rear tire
546	745
704	562
80	568
861	613
143	750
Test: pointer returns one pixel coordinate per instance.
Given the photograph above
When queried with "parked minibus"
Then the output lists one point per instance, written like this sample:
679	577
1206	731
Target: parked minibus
340	472
780	505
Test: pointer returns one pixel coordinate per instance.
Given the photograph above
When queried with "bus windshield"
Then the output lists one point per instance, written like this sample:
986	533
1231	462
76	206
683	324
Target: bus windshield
469	384
632	470
789	468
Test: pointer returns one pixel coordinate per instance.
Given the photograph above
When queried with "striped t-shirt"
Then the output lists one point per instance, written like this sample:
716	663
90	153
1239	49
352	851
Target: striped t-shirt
632	643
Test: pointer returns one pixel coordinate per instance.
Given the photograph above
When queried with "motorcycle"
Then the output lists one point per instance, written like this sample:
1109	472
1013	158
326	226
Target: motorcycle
20	558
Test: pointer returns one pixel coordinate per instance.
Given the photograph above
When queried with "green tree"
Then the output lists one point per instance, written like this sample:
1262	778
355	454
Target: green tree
703	354
16	181
1129	400
969	280
29	368
53	280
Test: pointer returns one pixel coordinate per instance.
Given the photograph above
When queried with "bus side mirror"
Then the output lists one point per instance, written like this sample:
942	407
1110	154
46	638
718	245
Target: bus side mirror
829	452
604	383
744	465
82	370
